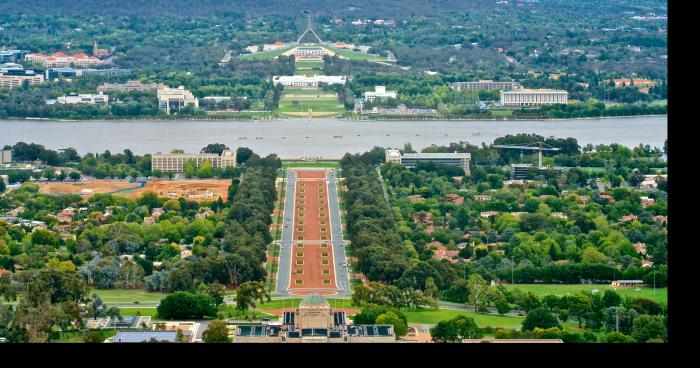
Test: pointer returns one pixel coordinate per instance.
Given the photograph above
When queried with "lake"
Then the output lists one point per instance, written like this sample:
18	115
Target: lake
330	138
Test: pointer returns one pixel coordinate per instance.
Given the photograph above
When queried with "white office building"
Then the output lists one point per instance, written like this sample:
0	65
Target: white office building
379	92
175	98
534	97
304	81
91	99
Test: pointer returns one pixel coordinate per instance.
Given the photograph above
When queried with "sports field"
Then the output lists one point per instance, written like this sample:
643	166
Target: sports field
660	296
313	266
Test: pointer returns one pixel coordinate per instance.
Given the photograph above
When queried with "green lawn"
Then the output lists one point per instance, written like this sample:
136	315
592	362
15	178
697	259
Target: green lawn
501	113
541	290
352	55
433	316
127	296
138	311
230	311
304	91
308	64
295	106
264	55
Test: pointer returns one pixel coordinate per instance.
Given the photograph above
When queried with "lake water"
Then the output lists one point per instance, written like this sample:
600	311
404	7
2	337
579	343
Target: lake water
329	138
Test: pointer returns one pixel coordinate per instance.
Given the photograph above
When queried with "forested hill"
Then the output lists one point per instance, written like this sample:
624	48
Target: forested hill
385	8
211	7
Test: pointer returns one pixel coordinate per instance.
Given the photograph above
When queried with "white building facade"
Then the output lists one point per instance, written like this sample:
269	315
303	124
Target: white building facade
304	81
379	92
487	85
534	97
176	98
90	99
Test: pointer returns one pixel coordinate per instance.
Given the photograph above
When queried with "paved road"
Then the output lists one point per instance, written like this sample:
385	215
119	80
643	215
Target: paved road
341	268
284	264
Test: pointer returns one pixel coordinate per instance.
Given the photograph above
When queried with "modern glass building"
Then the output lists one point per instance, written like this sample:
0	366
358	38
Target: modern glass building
410	160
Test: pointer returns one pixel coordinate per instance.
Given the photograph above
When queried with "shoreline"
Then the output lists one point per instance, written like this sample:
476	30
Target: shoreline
398	118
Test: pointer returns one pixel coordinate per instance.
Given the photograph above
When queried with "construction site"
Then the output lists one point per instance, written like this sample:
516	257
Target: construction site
191	190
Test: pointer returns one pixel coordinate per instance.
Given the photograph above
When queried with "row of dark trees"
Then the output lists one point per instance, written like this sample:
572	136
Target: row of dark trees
371	226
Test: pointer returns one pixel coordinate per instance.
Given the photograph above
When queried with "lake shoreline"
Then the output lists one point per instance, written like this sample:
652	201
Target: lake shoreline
398	118
318	137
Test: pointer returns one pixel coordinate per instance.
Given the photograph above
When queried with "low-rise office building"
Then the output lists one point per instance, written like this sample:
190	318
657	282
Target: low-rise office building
380	92
55	73
17	77
92	99
175	162
144	336
402	110
534	97
12	56
132	85
308	81
410	160
175	98
487	85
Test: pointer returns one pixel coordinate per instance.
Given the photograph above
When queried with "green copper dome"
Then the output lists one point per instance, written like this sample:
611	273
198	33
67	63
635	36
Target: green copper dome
314	299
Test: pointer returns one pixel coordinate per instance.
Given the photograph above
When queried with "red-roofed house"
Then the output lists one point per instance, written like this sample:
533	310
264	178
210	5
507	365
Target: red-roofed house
607	197
454	198
646	201
4	272
441	252
641	248
628	218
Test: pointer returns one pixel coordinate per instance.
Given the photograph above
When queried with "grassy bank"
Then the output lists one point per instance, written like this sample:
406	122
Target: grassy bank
660	296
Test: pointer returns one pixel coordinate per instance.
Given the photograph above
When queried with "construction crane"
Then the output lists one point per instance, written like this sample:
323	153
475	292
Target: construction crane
537	146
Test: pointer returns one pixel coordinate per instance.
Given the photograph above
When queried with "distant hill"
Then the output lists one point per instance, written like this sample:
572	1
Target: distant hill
383	8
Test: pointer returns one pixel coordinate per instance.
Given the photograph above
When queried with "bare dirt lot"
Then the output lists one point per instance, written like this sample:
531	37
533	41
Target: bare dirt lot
87	188
194	190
